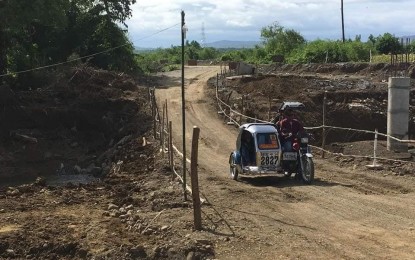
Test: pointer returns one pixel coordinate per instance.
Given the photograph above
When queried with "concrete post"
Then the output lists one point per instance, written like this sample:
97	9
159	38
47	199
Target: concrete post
398	112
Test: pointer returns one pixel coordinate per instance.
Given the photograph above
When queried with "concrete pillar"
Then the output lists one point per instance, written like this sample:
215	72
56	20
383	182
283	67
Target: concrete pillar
398	112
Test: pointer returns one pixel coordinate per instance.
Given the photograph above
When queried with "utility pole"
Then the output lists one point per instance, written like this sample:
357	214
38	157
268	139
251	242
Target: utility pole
342	21
183	29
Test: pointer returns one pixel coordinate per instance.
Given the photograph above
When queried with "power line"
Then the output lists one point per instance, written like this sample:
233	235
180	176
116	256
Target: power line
83	57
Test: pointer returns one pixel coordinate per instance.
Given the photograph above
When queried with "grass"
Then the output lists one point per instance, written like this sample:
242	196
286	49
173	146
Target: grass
387	58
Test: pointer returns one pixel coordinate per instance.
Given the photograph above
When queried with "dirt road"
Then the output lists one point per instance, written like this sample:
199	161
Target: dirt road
345	214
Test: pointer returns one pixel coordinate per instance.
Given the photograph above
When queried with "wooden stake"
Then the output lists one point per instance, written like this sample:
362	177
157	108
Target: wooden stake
194	180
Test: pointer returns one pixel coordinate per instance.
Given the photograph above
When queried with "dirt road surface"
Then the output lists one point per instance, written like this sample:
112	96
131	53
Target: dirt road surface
345	214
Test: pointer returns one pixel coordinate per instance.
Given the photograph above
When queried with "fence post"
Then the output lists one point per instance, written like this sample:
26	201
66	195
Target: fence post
171	148
162	131
194	180
153	114
323	138
375	165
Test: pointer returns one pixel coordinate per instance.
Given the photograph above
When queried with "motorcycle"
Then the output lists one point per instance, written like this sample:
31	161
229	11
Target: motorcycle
299	159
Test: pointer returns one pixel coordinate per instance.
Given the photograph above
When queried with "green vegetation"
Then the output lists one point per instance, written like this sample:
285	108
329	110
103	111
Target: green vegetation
38	33
283	44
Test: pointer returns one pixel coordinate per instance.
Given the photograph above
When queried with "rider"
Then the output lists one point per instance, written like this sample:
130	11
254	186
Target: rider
289	127
247	149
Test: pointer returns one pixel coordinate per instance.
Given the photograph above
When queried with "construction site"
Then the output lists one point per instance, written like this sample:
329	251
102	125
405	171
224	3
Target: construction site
84	174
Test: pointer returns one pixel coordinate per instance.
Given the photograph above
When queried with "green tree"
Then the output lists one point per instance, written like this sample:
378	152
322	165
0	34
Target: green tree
372	39
278	40
387	43
28	35
19	21
41	32
411	47
208	53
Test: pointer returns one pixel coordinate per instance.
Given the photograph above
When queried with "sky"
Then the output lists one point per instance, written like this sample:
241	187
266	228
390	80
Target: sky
156	23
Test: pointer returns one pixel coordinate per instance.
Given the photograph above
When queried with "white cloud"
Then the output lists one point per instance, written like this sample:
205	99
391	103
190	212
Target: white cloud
243	19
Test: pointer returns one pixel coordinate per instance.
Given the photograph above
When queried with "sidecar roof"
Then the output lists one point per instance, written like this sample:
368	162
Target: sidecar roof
292	104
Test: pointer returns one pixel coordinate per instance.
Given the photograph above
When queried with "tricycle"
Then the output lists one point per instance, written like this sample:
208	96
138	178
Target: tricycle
259	152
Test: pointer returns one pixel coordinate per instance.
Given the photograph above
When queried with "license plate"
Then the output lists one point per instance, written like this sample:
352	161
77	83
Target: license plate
269	159
289	156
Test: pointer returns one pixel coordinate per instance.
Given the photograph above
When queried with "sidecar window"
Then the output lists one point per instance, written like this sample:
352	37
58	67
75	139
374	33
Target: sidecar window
267	141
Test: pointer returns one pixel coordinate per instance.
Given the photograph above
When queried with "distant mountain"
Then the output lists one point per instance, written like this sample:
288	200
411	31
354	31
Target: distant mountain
217	45
232	44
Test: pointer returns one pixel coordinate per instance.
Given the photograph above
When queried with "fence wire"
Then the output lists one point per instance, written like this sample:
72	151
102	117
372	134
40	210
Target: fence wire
231	114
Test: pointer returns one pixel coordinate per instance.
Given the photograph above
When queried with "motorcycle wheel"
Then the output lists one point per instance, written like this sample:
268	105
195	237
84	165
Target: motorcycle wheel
307	173
233	170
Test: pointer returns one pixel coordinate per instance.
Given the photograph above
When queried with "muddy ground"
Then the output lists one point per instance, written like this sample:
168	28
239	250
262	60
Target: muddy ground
82	177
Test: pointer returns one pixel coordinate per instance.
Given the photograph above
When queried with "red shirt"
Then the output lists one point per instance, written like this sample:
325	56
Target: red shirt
290	125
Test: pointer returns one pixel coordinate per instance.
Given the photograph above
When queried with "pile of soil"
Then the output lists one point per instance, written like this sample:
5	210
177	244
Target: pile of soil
66	127
89	123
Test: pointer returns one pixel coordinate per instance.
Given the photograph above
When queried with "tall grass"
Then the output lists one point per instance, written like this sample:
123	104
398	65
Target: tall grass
384	58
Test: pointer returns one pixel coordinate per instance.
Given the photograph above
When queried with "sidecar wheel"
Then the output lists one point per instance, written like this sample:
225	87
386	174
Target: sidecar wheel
233	170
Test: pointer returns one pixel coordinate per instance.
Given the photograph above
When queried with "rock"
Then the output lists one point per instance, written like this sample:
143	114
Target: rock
191	256
10	252
115	214
40	181
82	253
129	207
138	252
112	206
203	241
77	169
12	191
164	228
147	231
157	250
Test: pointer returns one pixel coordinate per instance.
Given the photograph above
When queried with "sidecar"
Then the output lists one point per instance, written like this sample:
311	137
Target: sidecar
258	151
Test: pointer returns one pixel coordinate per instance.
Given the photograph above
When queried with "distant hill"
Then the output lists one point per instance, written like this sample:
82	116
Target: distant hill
217	45
232	44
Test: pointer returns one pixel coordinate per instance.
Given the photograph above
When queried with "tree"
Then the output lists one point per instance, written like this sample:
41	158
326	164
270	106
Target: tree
372	39
115	10
278	40
19	20
411	47
387	43
41	32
